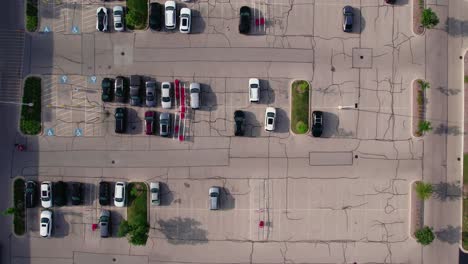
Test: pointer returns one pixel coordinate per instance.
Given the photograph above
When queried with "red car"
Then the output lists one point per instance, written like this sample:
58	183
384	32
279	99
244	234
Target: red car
149	122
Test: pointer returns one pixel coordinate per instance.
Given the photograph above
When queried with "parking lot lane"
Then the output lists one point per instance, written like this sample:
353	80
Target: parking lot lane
67	54
238	168
85	257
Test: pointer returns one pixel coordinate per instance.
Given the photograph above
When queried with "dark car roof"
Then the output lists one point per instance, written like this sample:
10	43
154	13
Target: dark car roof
155	17
60	197
245	17
101	16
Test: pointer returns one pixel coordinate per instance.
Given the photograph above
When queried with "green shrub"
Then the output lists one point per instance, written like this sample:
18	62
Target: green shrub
30	122
136	228
31	16
424	190
429	18
19	222
424	126
466	78
424	236
301	128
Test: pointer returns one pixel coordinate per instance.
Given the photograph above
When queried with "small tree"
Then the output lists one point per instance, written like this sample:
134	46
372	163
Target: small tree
424	85
9	211
424	235
424	190
124	228
429	18
424	126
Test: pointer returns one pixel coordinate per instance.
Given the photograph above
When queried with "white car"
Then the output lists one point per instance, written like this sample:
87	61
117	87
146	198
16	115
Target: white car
154	189
195	95
45	228
270	116
101	19
119	194
166	95
185	20
170	14
254	90
118	13
46	194
214	198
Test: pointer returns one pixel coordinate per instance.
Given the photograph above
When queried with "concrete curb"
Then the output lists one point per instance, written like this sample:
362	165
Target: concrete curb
291	106
412	19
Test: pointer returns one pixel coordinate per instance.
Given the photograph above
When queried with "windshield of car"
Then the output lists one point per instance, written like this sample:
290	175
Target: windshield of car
150	97
118	199
195	90
184	22
271	115
44	221
254	85
45	196
164	128
118	25
117	13
166	99
214	194
154	190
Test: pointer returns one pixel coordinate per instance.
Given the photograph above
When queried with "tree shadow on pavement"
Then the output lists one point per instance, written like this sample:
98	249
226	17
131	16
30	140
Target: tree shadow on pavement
449	234
447	191
183	231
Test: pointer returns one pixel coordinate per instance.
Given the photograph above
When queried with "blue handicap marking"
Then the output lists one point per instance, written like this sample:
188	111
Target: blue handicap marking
50	132
46	29
75	30
92	79
78	132
63	79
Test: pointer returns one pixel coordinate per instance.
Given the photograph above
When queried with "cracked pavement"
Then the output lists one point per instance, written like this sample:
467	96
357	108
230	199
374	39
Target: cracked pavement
353	207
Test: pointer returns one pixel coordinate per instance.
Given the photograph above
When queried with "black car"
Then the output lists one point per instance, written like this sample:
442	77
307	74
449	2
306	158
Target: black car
30	194
104	193
106	85
317	123
390	1
245	19
120	120
156	16
120	85
60	193
76	193
348	19
239	119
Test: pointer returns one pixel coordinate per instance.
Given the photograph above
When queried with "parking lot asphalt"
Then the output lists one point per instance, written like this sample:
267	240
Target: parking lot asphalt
342	198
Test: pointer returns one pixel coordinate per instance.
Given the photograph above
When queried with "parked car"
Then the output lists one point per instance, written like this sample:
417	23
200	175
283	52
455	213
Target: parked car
106	86
46	194
45	229
348	19
135	93
149	122
155	16
119	194
119	89
185	20
390	1
254	90
76	193
170	14
154	189
60	193
214	198
104	223
30	194
150	93
245	20
239	123
118	13
270	116
104	193
101	19
317	123
120	120
195	95
164	124
166	95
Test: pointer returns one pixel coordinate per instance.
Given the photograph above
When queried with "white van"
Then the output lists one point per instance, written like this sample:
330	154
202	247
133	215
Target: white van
170	14
195	95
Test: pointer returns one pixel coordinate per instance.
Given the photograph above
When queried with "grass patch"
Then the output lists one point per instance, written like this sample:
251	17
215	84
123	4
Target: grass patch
465	224
136	227
137	14
465	168
31	15
30	122
300	107
466	79
19	224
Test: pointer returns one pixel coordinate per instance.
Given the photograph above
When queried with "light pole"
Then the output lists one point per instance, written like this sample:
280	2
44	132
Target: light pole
340	107
16	103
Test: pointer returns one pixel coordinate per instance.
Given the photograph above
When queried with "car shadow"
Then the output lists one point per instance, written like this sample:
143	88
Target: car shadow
198	23
167	197
267	94
330	123
208	100
134	122
88	193
227	200
253	127
282	121
360	21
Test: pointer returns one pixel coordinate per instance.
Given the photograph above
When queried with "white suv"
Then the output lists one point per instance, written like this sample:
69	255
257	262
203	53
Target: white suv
185	20
119	194
118	13
254	90
45	228
170	14
270	116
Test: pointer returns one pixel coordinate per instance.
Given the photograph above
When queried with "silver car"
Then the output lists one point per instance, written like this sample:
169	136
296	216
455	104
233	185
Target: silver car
150	94
104	223
154	189
164	124
214	198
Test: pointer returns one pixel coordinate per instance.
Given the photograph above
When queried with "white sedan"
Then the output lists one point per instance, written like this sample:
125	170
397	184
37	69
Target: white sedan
119	194
185	20
45	228
254	90
46	194
154	189
166	95
118	13
270	116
